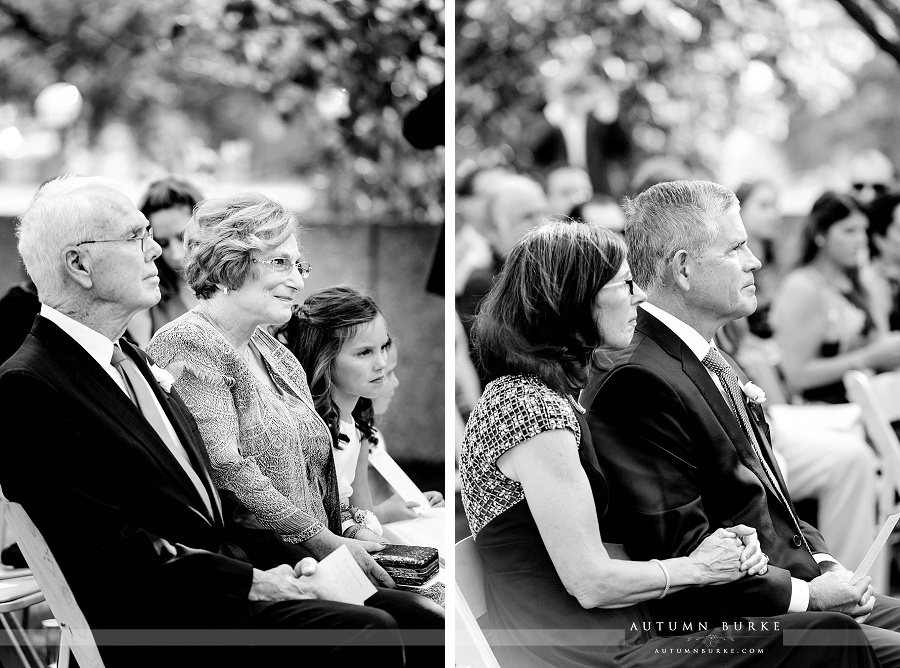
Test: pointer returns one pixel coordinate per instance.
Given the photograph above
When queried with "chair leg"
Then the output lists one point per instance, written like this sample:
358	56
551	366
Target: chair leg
6	618
62	660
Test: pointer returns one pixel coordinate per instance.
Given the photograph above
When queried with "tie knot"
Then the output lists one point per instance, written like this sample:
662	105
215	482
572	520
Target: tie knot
716	363
118	356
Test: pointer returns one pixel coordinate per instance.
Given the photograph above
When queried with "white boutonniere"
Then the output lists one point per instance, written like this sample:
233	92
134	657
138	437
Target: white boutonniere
754	393
163	377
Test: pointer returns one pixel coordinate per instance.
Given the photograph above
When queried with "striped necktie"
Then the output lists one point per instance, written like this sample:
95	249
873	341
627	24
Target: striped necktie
717	364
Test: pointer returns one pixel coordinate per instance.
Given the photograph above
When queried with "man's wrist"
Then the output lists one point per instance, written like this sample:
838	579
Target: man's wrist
828	565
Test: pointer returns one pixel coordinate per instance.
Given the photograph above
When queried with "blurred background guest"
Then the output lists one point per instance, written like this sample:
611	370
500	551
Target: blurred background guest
18	307
822	316
884	249
658	169
761	216
473	250
871	174
601	210
567	187
167	204
390	507
581	126
516	204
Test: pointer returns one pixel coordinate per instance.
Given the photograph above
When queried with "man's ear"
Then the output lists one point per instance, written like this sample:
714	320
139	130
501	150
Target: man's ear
682	267
78	266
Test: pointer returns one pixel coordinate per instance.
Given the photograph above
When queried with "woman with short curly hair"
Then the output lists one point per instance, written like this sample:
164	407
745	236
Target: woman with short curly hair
247	392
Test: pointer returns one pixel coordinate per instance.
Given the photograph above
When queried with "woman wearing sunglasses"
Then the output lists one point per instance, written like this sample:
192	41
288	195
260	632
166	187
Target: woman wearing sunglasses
247	392
533	490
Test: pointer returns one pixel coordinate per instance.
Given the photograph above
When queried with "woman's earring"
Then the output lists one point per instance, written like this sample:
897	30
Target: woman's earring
225	290
820	241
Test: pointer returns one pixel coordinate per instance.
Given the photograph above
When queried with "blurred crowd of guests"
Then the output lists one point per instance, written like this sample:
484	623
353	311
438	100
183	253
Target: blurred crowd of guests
828	295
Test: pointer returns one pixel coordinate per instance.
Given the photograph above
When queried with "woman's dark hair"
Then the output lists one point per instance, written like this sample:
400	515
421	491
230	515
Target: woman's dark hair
829	209
168	193
538	317
881	215
315	334
165	194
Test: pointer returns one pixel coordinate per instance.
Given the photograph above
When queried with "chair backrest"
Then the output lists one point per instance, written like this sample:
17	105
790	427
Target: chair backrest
879	400
76	634
472	648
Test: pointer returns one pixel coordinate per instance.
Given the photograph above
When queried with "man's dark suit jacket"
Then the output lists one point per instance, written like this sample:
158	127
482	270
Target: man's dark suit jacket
110	498
680	466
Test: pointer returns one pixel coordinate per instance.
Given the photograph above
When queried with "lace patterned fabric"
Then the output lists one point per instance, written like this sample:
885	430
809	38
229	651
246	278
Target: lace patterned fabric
511	410
271	449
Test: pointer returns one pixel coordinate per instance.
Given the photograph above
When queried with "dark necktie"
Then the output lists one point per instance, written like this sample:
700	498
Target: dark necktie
142	396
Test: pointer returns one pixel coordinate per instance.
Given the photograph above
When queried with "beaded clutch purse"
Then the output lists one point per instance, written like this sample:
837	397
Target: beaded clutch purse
409	564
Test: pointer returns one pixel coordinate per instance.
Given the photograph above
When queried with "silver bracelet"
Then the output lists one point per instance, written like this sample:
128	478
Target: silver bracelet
666	573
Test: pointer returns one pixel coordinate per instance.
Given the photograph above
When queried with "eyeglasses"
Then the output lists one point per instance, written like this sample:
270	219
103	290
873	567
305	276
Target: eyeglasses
147	235
282	265
627	281
879	188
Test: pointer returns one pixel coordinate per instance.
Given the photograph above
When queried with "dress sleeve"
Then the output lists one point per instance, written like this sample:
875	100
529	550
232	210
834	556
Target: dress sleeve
522	411
205	379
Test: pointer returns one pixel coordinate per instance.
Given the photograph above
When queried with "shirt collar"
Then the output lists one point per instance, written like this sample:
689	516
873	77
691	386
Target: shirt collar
691	337
96	344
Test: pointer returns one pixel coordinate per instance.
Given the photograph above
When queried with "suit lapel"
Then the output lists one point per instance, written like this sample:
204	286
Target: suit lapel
109	400
704	383
198	458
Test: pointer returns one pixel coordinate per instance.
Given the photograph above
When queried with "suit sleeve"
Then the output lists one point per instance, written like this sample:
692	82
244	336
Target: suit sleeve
641	432
64	485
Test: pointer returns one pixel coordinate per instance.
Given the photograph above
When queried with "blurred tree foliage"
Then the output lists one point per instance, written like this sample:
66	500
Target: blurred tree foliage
319	87
687	71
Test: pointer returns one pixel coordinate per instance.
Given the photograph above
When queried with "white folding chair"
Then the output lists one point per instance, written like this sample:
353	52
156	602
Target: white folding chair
879	399
428	528
18	594
472	648
75	634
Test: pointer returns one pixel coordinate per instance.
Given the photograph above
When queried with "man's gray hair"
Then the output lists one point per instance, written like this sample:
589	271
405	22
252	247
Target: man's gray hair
65	211
668	217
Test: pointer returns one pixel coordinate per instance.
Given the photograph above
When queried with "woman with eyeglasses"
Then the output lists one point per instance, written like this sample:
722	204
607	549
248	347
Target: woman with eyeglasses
535	495
248	393
822	316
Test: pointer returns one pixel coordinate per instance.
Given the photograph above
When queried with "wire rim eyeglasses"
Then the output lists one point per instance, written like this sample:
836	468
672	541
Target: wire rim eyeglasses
147	235
283	265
